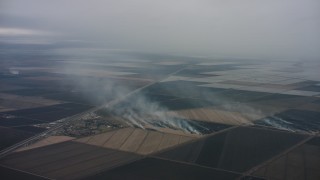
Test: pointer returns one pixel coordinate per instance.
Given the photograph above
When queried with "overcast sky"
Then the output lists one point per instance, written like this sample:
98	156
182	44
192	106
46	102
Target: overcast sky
235	28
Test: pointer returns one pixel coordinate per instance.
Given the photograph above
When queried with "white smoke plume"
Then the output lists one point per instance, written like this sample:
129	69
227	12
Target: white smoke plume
128	103
139	111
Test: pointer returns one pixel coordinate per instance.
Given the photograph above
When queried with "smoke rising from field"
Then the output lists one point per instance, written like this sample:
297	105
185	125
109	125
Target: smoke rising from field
278	123
287	29
118	98
141	112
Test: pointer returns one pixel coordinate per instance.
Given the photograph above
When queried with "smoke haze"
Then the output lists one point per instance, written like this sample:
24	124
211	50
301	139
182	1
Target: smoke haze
286	29
104	33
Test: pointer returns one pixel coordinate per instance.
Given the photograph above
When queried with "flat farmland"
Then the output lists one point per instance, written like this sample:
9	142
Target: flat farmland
12	122
31	129
68	108
153	168
136	140
216	116
9	136
227	150
68	160
294	120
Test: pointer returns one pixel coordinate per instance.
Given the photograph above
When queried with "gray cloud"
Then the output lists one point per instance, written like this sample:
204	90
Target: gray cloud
259	29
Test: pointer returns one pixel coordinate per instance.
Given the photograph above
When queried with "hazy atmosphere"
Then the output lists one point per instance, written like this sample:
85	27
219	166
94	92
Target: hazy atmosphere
142	89
285	29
